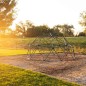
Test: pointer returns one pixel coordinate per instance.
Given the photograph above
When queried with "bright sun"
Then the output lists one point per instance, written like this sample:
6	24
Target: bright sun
50	12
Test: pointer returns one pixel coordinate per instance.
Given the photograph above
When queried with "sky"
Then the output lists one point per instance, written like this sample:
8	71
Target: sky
51	12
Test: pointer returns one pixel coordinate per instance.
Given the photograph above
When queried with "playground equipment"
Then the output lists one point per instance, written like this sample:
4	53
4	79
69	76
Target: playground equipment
50	47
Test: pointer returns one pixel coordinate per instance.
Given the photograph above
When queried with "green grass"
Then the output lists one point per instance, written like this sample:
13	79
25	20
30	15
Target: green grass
9	52
77	41
23	42
79	44
15	46
14	76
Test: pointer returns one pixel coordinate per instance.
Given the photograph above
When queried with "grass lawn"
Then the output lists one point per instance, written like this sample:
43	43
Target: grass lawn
19	45
8	52
14	76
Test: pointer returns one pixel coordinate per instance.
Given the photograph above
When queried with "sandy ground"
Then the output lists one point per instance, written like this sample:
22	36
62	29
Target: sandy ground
71	70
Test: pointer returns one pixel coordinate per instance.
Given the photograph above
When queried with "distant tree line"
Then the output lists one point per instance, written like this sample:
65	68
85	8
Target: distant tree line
27	29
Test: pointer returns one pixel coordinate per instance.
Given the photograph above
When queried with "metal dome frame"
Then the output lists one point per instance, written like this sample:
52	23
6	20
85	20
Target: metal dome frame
47	47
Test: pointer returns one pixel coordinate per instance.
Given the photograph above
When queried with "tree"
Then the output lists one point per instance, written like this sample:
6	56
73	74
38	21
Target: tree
22	27
44	30
81	34
57	31
85	31
67	30
82	21
38	31
6	13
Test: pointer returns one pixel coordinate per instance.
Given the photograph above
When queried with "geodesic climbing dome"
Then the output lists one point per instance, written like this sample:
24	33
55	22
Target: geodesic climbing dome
50	47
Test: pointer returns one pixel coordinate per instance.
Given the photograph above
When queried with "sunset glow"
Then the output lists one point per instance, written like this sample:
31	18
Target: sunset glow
51	12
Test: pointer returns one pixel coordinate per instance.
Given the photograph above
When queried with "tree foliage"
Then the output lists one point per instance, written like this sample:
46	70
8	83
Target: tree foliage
66	30
6	13
29	30
81	34
22	27
56	30
82	21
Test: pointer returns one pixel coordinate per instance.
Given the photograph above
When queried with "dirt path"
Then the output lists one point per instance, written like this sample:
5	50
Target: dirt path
72	70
